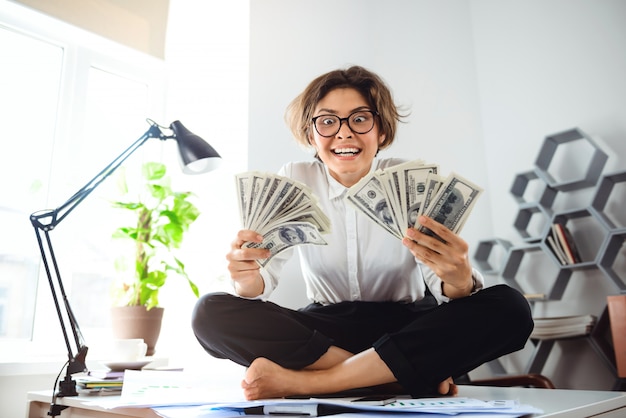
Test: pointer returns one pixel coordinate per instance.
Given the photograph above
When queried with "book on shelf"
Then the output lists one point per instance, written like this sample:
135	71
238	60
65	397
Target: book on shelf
562	244
556	249
532	297
563	326
567	242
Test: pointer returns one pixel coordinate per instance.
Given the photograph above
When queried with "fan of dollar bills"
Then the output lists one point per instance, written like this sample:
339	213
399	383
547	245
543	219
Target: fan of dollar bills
286	213
281	209
396	196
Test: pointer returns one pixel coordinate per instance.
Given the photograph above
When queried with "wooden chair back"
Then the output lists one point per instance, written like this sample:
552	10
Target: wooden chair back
617	318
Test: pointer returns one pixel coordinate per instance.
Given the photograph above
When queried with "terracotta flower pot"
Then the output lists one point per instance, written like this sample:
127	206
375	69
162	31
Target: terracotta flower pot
137	322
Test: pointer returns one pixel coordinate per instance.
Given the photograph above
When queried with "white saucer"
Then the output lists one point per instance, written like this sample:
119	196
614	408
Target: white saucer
127	365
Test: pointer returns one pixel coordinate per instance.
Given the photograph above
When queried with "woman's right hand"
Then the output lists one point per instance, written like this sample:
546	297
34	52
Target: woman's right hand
244	270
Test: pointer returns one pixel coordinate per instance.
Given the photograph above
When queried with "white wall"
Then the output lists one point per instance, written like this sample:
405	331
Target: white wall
292	42
485	80
207	60
544	67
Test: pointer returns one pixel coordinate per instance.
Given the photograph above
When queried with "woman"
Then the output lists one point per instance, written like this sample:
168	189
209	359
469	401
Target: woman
382	310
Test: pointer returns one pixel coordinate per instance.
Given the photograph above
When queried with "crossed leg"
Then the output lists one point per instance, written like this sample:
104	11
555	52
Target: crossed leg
337	370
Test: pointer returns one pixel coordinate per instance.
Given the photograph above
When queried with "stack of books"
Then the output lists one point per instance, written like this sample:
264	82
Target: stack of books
100	382
563	327
562	244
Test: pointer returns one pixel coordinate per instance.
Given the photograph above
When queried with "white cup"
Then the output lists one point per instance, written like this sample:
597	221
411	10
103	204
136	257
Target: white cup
129	349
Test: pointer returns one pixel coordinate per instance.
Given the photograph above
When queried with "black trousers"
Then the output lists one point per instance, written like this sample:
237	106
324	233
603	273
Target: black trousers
422	343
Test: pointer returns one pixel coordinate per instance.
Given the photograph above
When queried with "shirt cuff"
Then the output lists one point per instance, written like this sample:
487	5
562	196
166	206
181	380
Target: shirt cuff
267	287
478	280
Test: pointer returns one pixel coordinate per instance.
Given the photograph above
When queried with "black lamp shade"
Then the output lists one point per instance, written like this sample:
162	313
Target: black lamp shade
196	155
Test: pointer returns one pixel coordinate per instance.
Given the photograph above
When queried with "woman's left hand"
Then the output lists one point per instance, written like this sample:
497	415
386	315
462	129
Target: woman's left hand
449	260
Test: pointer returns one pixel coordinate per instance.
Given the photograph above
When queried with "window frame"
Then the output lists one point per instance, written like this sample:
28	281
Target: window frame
82	50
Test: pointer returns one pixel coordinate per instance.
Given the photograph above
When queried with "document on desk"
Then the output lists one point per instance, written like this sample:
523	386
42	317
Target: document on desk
209	412
149	389
427	407
187	395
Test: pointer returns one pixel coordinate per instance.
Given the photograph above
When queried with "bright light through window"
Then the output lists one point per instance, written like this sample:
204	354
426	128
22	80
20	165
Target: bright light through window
68	112
29	81
115	116
71	102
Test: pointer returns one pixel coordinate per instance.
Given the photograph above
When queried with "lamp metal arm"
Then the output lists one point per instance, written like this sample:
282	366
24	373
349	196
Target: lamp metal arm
192	149
45	221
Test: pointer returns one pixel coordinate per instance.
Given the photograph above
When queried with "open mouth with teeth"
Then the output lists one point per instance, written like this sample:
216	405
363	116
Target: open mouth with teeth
346	152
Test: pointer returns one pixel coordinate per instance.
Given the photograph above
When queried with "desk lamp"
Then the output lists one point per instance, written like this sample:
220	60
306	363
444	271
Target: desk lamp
196	157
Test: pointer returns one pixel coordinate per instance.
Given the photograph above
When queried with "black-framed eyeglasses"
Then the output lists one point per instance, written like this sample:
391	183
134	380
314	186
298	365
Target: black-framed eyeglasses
360	122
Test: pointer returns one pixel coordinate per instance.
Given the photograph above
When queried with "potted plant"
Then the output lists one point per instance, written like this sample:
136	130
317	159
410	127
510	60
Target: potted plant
162	217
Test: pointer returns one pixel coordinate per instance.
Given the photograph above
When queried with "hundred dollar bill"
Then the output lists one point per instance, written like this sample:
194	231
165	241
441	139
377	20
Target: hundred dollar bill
452	204
393	193
302	207
294	200
280	209
267	188
396	196
248	188
369	196
395	190
286	235
242	182
415	181
278	194
431	188
314	217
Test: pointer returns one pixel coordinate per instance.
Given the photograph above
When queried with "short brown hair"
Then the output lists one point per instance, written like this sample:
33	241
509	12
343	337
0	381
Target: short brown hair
372	88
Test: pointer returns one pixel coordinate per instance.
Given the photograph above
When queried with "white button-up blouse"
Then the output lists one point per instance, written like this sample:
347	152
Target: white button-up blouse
362	261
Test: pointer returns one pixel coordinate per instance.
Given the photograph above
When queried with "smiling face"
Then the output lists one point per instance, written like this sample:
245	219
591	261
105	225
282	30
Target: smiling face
348	155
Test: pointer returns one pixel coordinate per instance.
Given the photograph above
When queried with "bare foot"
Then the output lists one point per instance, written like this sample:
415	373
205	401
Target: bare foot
448	387
266	379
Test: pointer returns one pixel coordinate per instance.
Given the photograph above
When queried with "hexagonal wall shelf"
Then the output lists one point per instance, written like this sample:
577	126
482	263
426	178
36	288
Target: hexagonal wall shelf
587	177
516	257
613	258
490	255
567	161
587	232
532	222
528	187
609	200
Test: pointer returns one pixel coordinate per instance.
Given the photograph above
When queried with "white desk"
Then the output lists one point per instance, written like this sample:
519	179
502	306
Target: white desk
554	402
557	402
39	405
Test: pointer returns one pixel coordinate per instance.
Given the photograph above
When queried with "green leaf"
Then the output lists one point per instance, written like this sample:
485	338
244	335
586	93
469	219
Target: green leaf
162	218
158	191
129	205
153	171
182	271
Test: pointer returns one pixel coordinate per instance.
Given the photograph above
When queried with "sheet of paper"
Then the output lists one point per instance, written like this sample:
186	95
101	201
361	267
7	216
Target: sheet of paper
429	406
207	412
202	411
180	394
148	388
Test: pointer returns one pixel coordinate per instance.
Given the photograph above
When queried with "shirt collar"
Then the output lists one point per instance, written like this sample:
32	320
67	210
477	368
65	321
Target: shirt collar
336	189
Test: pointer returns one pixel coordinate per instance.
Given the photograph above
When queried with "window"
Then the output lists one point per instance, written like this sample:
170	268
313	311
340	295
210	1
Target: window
30	81
70	126
70	103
